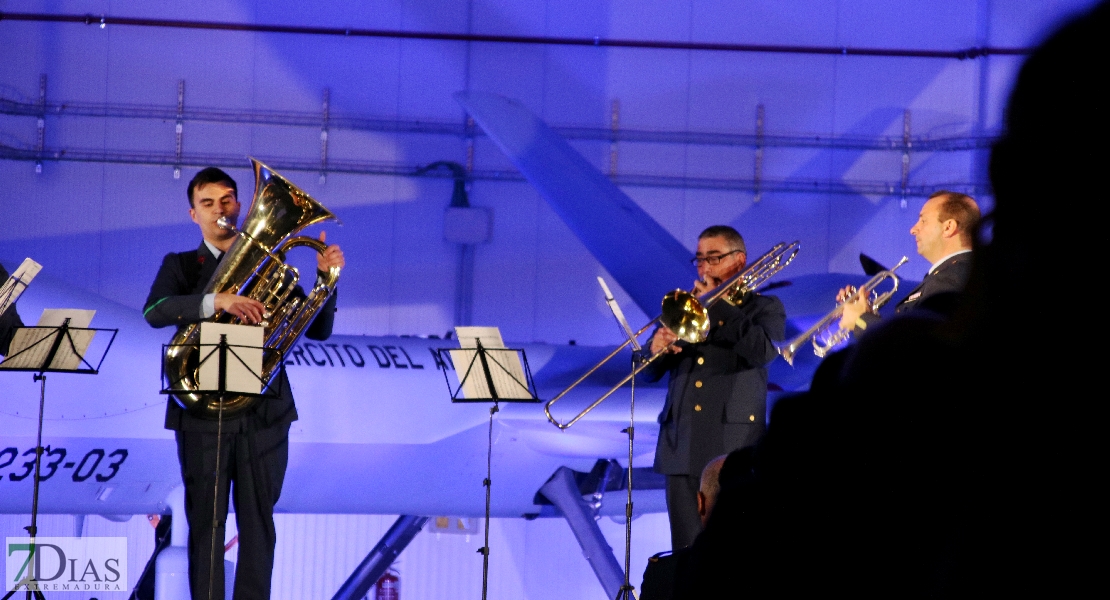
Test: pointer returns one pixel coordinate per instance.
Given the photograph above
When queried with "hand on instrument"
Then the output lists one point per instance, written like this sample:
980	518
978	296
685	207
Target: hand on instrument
663	341
330	257
248	310
703	286
853	308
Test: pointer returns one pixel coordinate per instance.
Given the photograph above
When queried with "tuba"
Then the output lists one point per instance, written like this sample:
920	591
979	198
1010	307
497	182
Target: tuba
255	267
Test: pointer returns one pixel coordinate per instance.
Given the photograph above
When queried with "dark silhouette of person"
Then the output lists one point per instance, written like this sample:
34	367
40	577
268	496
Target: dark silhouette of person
951	457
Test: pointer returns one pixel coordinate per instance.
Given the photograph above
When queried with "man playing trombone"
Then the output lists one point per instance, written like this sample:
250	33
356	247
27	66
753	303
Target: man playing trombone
943	232
717	395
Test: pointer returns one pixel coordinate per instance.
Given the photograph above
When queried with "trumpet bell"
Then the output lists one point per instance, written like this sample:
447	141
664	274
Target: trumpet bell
685	316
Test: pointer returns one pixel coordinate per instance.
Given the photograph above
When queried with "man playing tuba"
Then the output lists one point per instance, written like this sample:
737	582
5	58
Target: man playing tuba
254	448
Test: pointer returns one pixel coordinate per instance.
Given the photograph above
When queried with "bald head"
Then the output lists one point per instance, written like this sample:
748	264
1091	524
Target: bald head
710	487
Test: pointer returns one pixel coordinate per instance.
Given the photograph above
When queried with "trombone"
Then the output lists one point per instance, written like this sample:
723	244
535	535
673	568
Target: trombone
826	333
688	318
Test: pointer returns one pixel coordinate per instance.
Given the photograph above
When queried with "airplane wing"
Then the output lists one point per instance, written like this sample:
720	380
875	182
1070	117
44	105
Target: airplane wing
378	433
641	255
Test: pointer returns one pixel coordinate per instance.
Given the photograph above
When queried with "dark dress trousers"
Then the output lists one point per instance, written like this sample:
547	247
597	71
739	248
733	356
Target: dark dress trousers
9	321
253	447
716	400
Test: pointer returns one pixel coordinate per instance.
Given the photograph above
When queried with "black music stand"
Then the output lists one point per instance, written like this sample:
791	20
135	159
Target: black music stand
223	353
492	372
638	358
39	357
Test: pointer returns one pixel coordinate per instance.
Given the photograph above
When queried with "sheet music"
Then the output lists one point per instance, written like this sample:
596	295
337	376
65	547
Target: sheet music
31	345
619	314
505	367
244	357
18	282
489	336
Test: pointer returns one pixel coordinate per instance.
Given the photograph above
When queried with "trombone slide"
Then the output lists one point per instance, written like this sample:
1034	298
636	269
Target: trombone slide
687	317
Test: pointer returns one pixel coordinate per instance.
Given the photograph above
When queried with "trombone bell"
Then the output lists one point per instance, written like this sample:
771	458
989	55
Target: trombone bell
688	318
684	315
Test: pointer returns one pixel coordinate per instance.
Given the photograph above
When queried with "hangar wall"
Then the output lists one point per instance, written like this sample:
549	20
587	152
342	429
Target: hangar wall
105	225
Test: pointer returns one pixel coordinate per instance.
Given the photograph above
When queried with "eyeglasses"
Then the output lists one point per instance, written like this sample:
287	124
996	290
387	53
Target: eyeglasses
713	259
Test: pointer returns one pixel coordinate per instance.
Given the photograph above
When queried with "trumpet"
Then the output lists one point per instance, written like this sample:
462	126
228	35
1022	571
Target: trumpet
826	333
687	316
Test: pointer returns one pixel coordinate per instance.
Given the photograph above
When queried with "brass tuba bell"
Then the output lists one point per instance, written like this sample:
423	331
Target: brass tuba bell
255	267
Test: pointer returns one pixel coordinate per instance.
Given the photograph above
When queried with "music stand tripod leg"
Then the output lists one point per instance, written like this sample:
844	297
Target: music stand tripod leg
626	590
32	529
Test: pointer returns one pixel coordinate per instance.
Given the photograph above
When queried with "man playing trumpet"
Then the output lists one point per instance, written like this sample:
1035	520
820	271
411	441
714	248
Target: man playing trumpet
717	395
943	231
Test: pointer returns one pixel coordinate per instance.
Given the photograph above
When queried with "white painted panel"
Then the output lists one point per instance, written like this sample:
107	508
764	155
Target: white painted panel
938	25
665	20
653	86
529	560
1025	24
139	534
809	22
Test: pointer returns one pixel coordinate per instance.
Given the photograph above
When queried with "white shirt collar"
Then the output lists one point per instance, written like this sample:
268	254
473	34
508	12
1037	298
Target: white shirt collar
939	262
214	250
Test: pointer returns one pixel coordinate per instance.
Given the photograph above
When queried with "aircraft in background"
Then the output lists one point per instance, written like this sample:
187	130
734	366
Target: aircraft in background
378	433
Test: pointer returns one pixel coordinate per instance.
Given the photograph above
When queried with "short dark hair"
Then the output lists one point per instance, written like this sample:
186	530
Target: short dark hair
211	175
730	235
961	208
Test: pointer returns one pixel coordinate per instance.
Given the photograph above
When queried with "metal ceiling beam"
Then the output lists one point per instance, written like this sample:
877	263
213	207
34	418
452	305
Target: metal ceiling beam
105	20
199	160
341	121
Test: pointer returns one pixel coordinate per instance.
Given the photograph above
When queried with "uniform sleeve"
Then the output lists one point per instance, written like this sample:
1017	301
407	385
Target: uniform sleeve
870	319
321	326
168	302
750	329
660	366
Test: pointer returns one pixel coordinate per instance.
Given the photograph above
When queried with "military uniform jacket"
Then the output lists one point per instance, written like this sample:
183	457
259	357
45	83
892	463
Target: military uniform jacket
949	278
175	299
717	395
